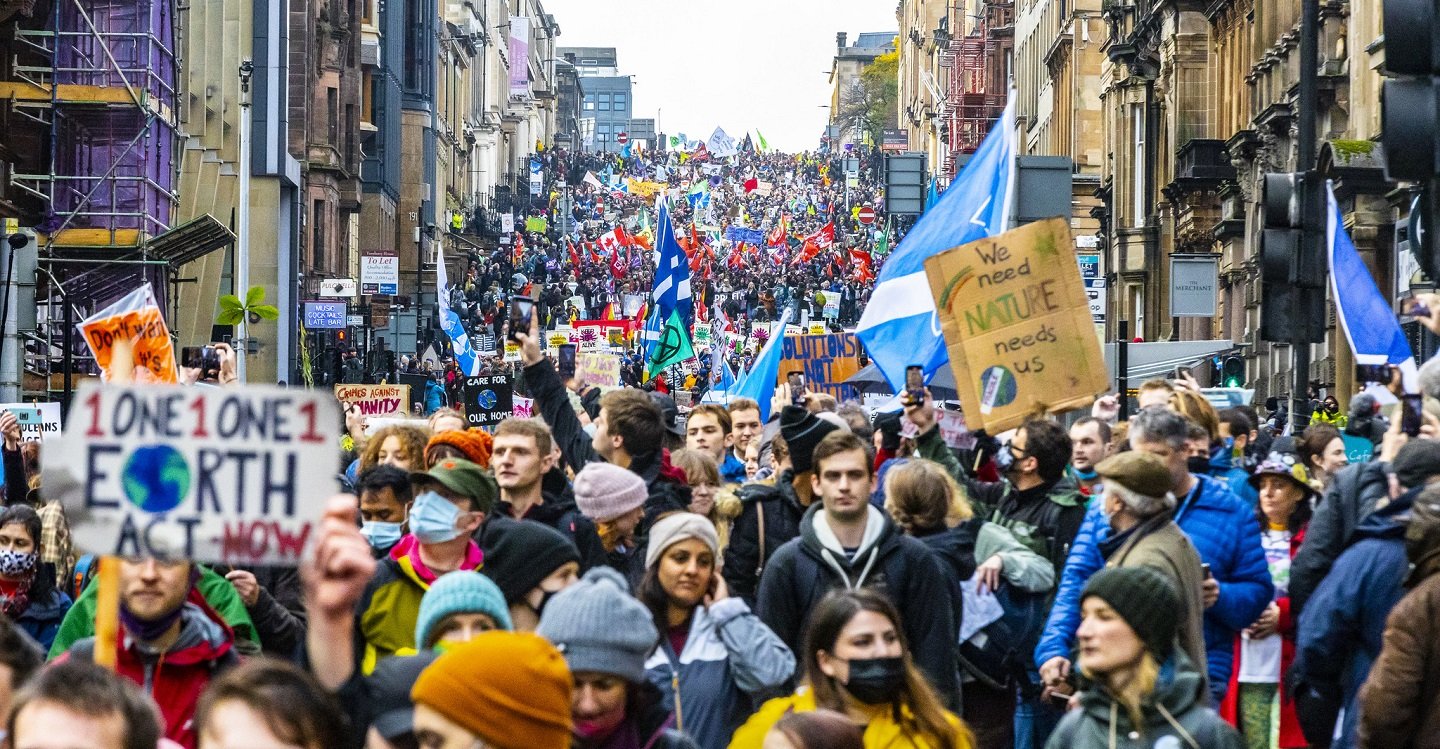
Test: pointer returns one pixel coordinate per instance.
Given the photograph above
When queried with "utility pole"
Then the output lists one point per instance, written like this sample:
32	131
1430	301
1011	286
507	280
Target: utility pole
1311	194
242	234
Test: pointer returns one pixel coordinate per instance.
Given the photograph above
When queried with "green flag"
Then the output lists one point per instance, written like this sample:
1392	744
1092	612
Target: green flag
882	245
763	145
672	348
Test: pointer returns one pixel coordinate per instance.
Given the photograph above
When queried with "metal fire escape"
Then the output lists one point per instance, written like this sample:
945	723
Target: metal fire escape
971	105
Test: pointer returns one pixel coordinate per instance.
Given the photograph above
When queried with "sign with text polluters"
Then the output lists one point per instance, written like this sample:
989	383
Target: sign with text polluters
222	475
1017	325
826	360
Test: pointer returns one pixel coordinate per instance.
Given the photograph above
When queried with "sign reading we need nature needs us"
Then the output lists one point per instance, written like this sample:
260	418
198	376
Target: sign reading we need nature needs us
230	476
1017	325
375	400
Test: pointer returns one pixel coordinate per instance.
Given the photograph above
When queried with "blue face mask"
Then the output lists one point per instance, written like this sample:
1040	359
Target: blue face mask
381	535
433	517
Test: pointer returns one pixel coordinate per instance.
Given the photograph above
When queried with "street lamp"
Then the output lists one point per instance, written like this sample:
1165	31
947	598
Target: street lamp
242	238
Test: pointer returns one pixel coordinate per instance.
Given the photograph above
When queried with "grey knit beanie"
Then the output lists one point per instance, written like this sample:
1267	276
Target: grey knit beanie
600	627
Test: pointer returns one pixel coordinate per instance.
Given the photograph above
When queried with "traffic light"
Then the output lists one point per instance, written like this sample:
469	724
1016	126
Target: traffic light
1410	115
1292	267
1232	372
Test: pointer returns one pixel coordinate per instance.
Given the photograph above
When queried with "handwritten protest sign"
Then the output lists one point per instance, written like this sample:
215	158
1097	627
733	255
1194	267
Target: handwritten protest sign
599	370
702	337
489	400
1017	325
38	421
827	361
816	328
233	475
135	318
524	408
375	400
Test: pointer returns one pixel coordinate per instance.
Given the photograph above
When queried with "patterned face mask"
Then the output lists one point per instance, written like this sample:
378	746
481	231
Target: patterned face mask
14	563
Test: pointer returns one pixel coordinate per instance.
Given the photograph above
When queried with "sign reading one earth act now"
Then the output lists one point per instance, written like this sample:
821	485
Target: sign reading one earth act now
233	475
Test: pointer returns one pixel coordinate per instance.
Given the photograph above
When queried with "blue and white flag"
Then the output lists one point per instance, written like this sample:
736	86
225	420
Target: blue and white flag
758	384
1364	313
721	145
899	327
450	322
672	271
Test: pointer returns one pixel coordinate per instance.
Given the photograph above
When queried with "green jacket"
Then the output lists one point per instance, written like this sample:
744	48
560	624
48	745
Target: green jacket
79	622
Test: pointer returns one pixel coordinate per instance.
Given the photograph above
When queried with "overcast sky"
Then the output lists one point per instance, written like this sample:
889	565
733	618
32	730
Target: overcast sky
739	64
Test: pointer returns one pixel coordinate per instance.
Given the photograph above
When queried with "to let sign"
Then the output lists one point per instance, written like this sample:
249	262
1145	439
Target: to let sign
215	475
380	274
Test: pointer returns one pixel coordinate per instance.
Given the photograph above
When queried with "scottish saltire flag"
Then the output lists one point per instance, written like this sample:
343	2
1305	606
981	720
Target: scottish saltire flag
1364	313
672	272
899	327
758	383
450	322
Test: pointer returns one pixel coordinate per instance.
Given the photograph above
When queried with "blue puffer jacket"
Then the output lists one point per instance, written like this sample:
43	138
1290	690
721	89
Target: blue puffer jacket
41	619
1225	532
1222	467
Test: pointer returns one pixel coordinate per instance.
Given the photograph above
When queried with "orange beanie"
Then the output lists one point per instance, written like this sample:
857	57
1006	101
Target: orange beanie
511	689
477	444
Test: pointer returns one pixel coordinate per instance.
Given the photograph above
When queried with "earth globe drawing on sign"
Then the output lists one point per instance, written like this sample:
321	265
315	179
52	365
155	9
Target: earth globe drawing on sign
997	386
486	399
156	478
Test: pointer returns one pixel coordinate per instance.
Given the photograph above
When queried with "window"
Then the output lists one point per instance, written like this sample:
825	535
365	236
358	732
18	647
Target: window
1137	310
604	103
589	101
1137	164
317	234
367	97
620	102
332	115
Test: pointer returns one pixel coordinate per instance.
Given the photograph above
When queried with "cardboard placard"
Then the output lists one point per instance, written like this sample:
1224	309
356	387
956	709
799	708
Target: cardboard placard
599	370
375	400
512	351
827	361
1017	325
702	336
135	318
489	400
222	475
38	421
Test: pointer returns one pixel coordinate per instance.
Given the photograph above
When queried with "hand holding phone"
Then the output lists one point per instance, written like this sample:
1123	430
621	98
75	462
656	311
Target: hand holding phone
1411	414
522	311
914	384
796	381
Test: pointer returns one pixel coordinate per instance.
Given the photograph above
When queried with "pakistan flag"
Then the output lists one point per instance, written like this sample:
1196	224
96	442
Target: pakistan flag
672	348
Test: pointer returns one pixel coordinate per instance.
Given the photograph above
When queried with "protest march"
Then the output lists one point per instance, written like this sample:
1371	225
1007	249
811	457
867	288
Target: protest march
712	444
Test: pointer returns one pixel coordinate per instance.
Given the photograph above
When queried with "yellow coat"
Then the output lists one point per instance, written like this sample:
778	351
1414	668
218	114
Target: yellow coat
882	732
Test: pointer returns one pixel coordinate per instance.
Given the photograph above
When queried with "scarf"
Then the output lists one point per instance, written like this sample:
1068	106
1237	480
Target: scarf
19	600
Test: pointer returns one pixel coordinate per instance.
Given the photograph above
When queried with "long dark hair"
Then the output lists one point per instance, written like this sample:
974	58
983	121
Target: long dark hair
829	618
1298	517
42	583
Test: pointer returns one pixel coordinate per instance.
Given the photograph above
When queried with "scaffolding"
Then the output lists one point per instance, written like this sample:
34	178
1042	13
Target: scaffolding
971	104
100	77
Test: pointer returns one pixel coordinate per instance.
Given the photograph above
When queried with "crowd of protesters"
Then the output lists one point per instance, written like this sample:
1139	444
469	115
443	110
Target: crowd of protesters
611	575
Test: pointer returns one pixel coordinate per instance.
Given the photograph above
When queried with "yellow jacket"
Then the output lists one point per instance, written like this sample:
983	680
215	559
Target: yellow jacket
882	732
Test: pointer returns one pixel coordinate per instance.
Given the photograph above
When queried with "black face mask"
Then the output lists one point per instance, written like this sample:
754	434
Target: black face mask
1198	464
875	681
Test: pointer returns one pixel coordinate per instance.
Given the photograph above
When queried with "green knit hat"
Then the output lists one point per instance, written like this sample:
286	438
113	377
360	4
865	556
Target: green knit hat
1145	598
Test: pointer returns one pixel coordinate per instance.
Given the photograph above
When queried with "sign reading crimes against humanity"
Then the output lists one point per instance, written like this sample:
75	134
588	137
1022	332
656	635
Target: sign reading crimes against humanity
827	361
232	475
1017	325
375	400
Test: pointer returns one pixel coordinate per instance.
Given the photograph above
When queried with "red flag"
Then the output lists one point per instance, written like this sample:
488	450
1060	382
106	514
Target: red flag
701	153
752	184
618	266
824	236
594	257
776	237
574	256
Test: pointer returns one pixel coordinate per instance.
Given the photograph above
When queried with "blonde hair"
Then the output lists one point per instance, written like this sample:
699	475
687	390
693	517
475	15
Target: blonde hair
1133	691
1194	407
922	495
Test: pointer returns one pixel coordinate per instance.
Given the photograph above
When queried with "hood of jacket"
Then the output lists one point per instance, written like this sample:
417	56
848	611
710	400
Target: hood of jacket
203	638
1389	519
1179	688
955	546
880	539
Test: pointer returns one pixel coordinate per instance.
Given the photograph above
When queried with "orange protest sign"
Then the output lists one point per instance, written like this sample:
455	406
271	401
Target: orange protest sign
135	319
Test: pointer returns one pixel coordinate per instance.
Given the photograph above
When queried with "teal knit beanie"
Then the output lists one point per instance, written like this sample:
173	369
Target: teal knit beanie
460	592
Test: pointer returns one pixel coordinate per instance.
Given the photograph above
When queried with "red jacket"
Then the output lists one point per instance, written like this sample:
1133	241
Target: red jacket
176	678
1290	734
